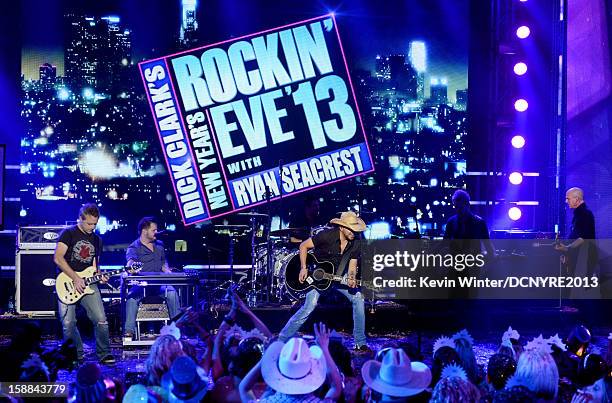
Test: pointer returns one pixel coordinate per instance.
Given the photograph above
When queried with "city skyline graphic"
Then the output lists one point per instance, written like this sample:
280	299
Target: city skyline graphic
89	135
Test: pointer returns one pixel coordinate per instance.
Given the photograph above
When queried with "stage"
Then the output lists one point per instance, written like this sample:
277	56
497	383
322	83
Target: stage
450	172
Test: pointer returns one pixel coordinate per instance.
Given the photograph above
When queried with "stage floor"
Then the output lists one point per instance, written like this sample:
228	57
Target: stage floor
389	324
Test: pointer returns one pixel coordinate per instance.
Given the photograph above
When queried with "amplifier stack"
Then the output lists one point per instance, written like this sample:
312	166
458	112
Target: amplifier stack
35	271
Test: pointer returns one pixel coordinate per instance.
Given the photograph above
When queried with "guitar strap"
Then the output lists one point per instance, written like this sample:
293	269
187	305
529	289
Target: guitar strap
98	251
343	265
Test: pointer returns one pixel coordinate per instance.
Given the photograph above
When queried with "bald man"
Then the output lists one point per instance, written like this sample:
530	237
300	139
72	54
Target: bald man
582	230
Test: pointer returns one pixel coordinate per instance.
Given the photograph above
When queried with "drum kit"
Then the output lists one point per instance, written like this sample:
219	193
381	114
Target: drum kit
270	253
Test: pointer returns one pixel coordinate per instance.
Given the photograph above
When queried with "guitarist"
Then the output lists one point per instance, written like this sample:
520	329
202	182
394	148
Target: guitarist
77	249
582	233
335	245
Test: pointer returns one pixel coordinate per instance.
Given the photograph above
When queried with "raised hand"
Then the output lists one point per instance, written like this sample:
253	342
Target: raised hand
239	303
322	334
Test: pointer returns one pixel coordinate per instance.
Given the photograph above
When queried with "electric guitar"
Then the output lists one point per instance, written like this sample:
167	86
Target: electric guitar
66	291
321	276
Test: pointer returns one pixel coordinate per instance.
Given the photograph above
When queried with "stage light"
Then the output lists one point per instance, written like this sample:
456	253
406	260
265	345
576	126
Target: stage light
523	31
515	178
518	141
88	93
514	213
520	68
521	105
63	94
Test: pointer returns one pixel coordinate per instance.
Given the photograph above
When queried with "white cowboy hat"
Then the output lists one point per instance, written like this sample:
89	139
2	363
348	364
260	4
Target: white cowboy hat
396	375
293	368
351	221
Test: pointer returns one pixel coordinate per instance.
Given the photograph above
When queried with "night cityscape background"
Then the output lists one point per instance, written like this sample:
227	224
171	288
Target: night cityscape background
90	136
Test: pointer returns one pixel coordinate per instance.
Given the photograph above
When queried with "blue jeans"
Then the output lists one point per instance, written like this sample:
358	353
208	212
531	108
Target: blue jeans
310	303
95	312
137	294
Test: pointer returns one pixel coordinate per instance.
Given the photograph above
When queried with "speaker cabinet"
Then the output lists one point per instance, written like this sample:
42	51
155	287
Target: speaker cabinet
35	274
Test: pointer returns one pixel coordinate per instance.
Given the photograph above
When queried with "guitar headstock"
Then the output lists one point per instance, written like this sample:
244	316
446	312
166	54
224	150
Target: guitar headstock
134	268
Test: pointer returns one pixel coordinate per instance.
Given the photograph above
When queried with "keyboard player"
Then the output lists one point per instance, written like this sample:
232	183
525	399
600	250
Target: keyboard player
150	252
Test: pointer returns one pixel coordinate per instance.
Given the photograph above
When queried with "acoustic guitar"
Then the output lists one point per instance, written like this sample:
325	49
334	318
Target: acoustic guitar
321	276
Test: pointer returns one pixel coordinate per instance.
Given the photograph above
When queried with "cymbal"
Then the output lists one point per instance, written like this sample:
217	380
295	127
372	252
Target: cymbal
232	229
252	214
289	231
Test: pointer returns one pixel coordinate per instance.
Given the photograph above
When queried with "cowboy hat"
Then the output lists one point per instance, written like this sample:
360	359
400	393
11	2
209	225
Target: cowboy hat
351	221
293	368
185	381
396	375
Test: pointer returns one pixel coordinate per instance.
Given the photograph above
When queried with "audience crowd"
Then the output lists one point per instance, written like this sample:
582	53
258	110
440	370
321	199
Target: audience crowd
238	365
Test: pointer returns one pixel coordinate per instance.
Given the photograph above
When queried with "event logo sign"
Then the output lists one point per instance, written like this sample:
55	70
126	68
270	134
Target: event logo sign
258	117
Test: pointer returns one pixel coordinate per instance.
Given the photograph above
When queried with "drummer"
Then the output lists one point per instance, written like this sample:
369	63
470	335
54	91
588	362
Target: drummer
306	219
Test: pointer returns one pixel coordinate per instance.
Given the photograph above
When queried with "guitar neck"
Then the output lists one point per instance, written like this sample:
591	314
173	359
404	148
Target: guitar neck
340	279
96	278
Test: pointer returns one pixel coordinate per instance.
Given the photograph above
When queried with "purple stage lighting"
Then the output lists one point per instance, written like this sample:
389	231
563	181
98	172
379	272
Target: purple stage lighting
518	141
521	105
514	213
520	68
516	178
523	31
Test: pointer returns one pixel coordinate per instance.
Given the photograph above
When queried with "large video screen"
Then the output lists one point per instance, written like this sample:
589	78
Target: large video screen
2	166
91	136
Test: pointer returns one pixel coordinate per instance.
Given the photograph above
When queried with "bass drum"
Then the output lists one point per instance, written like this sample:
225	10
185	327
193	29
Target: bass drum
284	292
278	255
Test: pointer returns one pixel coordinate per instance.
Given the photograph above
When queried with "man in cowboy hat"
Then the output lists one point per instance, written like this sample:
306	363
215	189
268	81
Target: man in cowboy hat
337	246
295	371
396	377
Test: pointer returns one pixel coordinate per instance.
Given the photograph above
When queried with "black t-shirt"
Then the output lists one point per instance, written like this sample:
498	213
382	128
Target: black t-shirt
583	226
468	226
583	223
466	231
327	247
82	248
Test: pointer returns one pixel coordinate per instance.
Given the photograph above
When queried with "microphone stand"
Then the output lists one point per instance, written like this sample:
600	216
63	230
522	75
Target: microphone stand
252	293
269	261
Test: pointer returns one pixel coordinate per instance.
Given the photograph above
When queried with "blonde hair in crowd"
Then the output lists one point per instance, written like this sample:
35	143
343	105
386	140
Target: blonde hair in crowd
163	353
537	371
